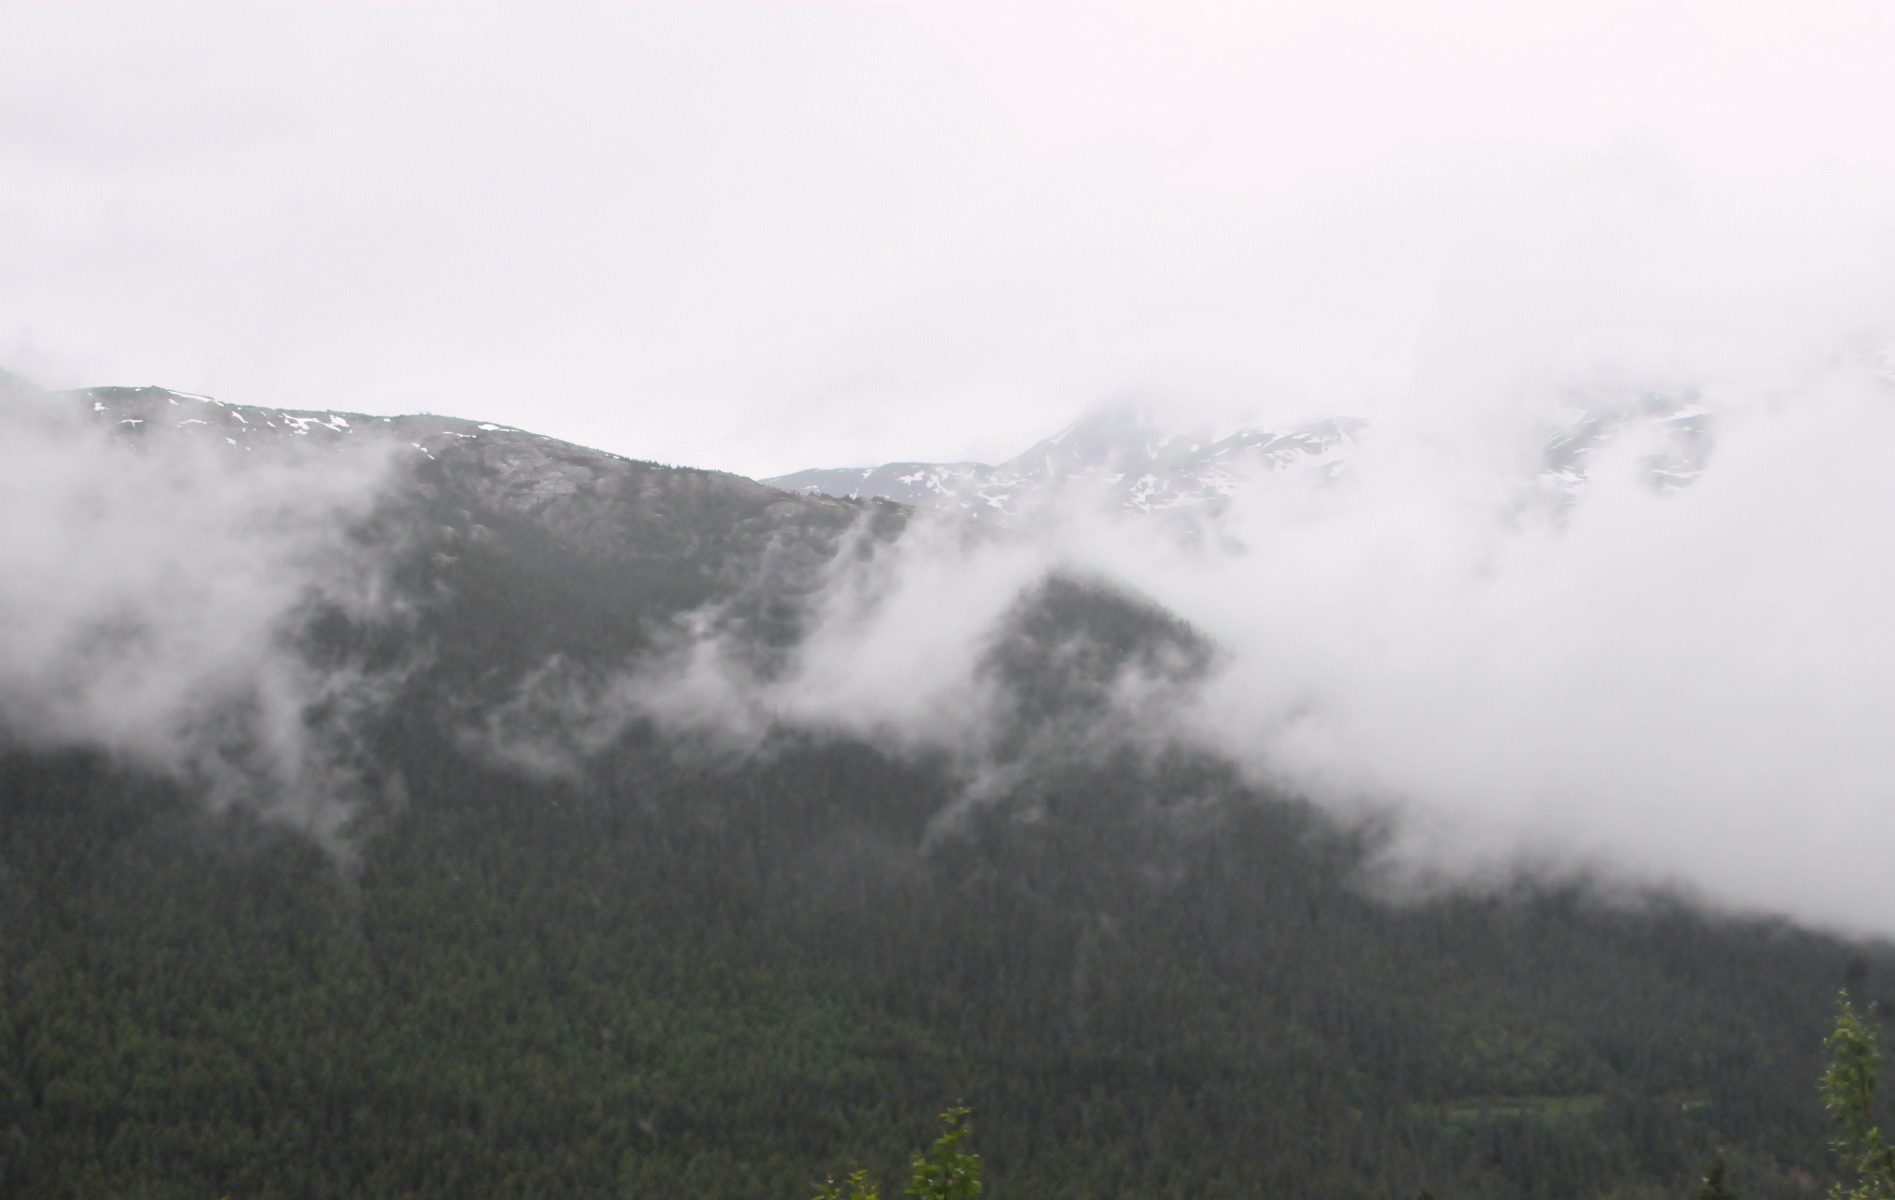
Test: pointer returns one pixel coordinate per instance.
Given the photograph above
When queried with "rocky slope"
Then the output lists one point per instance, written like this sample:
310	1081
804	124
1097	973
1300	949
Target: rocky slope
1119	455
1124	460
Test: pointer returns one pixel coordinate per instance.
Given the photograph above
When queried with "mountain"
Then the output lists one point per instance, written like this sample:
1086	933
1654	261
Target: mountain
646	539
594	920
1121	458
1118	454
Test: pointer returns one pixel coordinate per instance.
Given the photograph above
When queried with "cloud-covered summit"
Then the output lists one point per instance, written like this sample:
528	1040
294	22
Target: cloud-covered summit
1121	454
241	598
158	592
1131	458
1633	630
1636	630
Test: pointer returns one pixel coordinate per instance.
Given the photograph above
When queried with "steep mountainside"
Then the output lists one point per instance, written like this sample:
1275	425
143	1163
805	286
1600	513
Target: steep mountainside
562	945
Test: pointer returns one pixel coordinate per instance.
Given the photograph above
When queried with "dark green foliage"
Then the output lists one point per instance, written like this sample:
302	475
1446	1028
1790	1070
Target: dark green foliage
1849	1095
855	1187
727	981
947	1171
676	972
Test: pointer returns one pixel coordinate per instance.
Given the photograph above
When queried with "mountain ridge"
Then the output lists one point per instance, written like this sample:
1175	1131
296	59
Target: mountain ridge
1119	453
1123	460
657	963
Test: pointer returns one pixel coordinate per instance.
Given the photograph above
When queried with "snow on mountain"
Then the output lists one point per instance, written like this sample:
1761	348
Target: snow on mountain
140	410
1675	429
1122	456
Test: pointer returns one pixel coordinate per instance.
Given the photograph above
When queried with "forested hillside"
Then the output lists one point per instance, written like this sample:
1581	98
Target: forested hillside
670	966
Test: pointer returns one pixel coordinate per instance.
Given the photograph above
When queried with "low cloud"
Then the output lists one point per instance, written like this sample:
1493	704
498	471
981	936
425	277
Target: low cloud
860	670
1684	685
158	594
1666	659
1679	684
985	650
1603	589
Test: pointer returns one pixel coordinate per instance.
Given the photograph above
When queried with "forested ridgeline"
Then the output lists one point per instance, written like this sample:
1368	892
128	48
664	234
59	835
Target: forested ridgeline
678	971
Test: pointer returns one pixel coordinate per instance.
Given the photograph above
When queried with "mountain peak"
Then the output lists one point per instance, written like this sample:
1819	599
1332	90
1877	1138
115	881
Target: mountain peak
1123	450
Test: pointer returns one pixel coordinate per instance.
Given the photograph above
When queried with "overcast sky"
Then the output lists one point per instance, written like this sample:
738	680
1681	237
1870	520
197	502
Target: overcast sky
763	239
770	238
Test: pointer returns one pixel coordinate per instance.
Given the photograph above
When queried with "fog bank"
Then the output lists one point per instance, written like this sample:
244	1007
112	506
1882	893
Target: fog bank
156	597
1603	588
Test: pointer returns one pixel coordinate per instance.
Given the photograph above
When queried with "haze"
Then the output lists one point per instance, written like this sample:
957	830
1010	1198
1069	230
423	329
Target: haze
764	239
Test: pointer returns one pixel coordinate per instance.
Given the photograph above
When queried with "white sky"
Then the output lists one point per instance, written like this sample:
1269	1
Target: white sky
769	238
762	239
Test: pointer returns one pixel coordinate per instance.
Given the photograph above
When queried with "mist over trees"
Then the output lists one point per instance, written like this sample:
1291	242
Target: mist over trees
562	944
